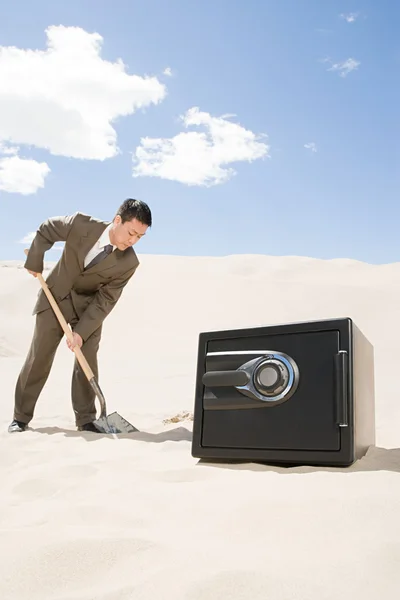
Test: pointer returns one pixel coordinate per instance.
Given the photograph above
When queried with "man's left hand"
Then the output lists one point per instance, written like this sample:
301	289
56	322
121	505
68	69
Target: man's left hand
77	341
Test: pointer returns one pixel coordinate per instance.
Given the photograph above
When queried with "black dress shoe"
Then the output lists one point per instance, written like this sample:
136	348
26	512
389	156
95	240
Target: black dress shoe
16	426
88	427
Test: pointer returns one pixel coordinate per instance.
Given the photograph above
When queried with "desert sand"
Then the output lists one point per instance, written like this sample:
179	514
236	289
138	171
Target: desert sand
86	517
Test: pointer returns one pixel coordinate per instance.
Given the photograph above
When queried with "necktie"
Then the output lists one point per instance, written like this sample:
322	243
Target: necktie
107	250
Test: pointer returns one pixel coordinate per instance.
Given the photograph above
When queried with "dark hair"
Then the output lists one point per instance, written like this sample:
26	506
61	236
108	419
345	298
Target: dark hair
135	209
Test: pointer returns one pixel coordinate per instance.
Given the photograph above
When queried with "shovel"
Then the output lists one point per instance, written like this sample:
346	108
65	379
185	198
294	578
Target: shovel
112	423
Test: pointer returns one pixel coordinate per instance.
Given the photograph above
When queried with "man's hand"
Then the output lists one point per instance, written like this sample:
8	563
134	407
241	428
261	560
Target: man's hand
32	273
77	341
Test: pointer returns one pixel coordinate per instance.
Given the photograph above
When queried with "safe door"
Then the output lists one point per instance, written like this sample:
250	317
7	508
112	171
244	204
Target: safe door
275	392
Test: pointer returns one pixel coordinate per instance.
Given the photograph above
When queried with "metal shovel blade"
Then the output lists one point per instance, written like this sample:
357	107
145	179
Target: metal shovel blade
114	423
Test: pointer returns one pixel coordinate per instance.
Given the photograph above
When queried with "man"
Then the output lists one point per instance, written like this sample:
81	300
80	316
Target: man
97	262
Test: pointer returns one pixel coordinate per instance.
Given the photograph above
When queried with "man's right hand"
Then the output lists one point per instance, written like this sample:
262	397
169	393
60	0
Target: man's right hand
32	273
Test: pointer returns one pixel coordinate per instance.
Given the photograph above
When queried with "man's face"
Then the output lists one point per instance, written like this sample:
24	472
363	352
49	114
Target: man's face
126	234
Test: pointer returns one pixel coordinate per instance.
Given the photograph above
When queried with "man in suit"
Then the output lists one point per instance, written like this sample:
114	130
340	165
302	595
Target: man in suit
97	262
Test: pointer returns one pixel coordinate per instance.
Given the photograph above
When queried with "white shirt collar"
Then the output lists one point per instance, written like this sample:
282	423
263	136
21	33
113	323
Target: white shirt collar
105	238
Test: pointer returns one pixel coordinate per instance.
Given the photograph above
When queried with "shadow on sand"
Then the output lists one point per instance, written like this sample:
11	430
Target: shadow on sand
179	434
376	458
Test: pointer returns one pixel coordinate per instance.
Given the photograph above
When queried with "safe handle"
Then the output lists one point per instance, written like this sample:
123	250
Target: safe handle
341	387
225	378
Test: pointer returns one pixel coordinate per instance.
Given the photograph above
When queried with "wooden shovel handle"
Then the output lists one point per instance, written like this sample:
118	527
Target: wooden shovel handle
67	330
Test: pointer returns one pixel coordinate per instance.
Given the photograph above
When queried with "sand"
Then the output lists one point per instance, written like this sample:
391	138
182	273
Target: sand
100	518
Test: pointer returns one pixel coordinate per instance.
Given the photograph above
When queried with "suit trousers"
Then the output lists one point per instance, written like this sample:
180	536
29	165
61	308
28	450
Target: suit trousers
37	366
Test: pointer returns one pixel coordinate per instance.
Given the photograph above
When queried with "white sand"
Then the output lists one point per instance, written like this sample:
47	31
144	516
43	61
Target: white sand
88	518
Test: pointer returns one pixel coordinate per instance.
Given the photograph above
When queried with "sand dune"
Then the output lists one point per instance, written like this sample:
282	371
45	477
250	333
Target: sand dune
86	517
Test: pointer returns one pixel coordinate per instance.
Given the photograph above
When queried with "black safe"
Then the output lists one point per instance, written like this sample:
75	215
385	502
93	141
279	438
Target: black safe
294	394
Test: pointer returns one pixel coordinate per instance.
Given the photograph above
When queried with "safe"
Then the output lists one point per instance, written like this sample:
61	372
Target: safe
292	394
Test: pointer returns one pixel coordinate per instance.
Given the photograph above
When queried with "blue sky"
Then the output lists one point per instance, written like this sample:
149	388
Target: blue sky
291	140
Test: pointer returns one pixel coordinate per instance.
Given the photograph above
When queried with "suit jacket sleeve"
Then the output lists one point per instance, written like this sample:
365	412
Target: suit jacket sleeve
54	229
102	304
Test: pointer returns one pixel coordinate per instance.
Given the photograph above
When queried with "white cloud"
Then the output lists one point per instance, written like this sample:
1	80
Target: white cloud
199	158
345	67
6	149
311	146
28	239
349	17
66	98
168	71
22	175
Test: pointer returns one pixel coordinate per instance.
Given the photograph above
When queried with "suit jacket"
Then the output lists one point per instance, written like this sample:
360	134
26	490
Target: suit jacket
94	292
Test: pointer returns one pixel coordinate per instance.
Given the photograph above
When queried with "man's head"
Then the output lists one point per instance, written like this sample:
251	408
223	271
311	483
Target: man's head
131	222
